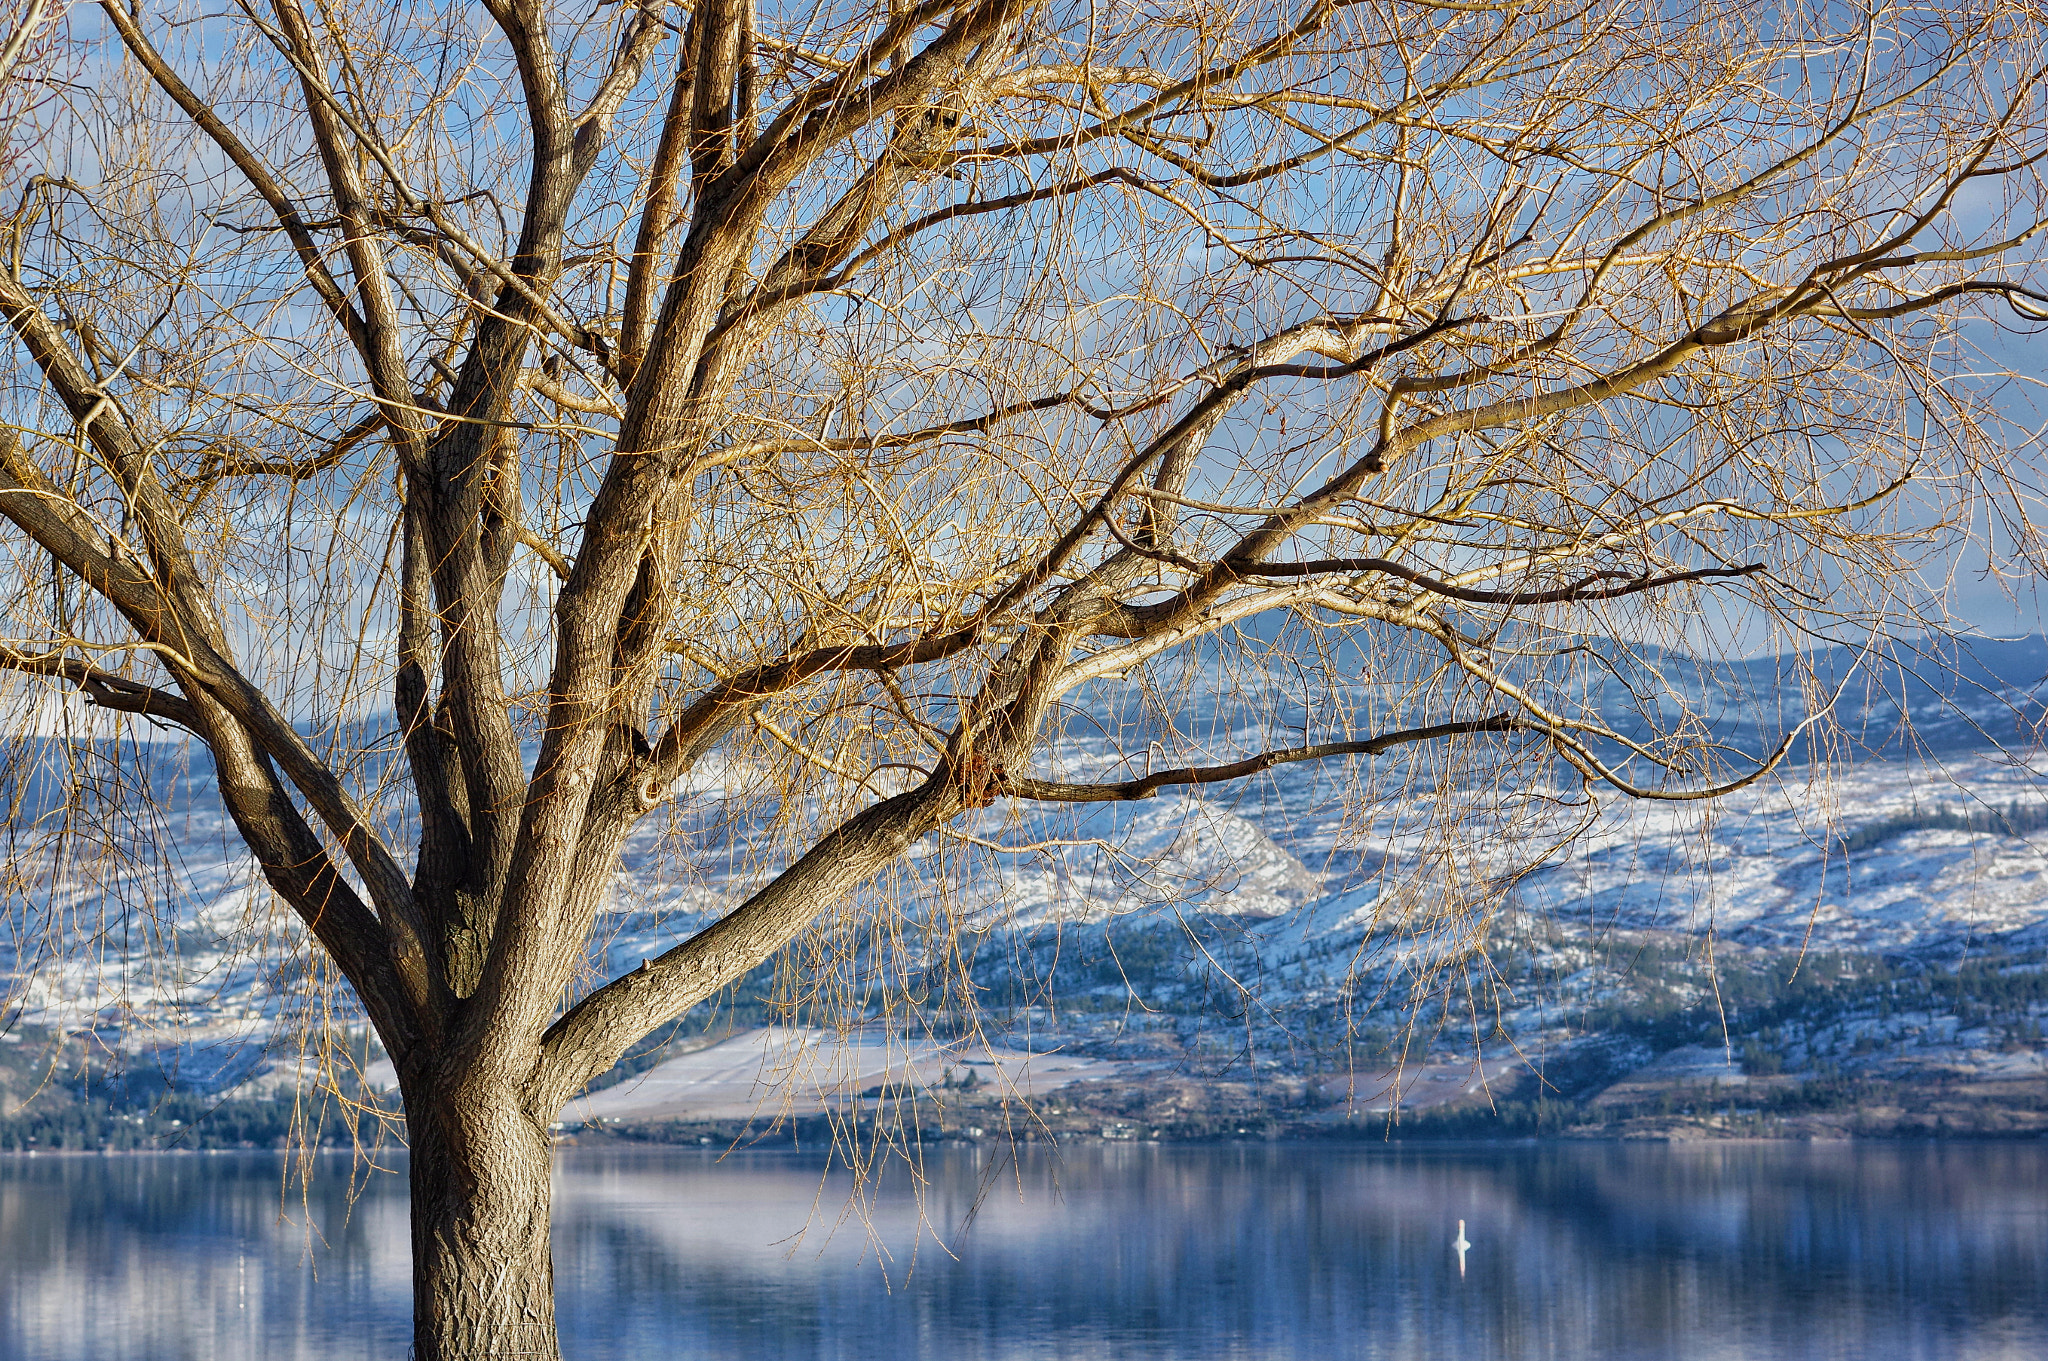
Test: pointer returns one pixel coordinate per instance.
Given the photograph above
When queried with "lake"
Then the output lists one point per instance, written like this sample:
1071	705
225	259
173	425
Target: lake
1593	1252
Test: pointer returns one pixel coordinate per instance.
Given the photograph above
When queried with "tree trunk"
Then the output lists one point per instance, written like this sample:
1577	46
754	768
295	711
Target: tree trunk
483	1274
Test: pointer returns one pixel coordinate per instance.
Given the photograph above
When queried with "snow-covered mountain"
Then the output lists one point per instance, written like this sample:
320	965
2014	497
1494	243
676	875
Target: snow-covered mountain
1935	842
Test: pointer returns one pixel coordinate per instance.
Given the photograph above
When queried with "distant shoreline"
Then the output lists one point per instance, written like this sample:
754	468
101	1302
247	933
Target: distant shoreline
780	1146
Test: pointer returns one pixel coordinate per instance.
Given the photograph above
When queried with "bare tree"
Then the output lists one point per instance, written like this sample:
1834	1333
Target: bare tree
836	388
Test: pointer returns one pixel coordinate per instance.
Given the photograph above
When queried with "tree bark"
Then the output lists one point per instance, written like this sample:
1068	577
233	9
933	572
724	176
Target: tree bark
482	1269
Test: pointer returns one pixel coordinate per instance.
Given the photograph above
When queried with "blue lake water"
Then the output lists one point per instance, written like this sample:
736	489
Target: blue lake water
1596	1252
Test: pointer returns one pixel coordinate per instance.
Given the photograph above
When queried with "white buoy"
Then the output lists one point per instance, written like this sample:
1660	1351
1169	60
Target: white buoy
1460	1244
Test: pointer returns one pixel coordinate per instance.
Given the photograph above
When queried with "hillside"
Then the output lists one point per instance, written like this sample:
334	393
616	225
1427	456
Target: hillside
1827	939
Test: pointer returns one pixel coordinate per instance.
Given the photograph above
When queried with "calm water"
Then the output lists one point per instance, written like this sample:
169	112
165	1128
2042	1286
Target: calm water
1594	1253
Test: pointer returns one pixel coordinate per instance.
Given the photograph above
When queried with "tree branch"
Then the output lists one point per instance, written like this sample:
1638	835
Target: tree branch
105	688
591	1035
657	217
1584	589
1050	791
251	167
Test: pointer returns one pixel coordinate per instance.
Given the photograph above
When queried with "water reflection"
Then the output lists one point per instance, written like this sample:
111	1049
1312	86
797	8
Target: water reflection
1596	1252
